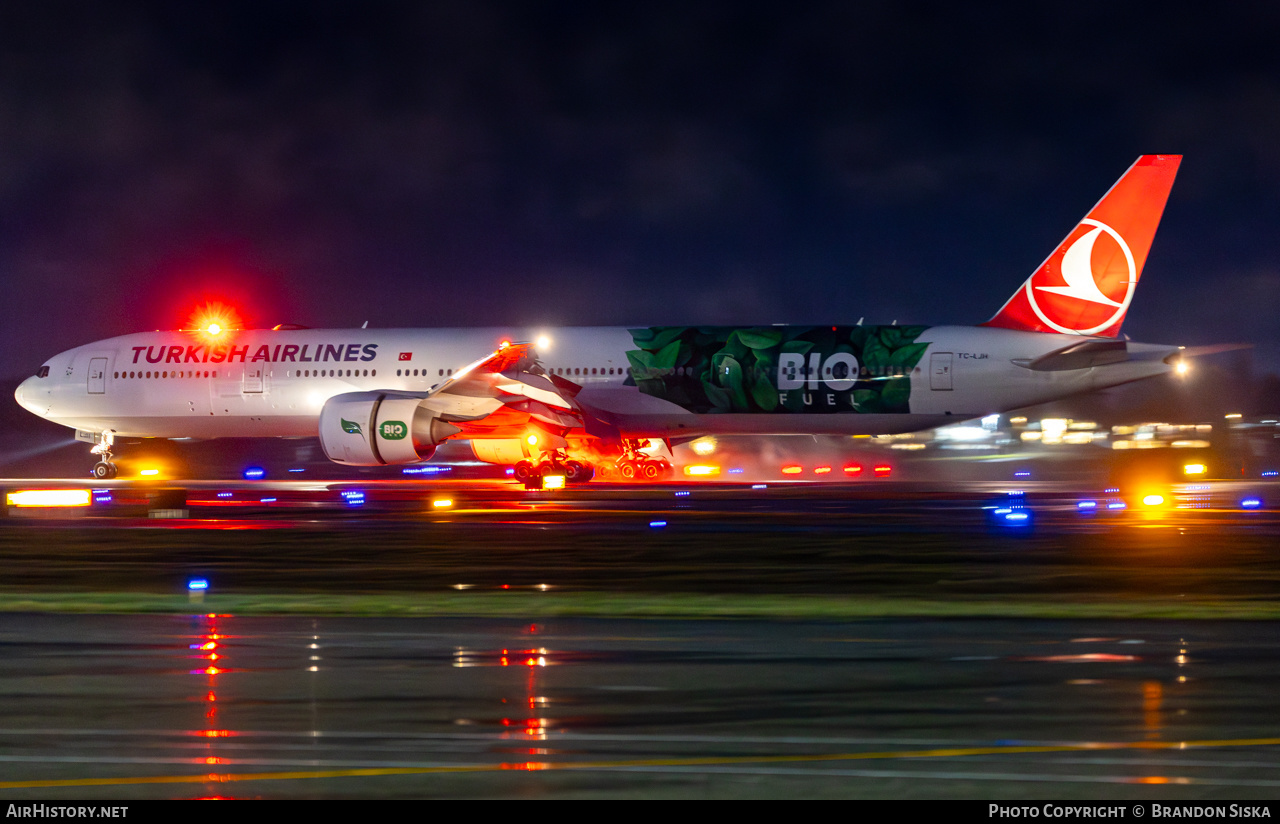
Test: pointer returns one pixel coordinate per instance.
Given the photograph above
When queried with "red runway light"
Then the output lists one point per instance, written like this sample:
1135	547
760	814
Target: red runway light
792	469
853	470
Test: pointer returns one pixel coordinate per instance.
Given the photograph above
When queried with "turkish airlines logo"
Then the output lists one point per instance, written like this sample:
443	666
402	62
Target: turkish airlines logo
1085	292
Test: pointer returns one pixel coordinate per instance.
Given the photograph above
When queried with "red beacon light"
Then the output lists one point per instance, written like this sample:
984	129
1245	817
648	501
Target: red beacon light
213	320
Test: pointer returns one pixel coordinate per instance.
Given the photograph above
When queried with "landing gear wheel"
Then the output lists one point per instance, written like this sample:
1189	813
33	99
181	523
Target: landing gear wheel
103	470
115	470
524	471
627	470
651	471
533	480
576	472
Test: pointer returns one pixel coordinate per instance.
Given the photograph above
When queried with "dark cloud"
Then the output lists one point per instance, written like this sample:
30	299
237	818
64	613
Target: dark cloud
468	163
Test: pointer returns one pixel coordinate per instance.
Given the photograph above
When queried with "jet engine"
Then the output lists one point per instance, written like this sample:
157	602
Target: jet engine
379	428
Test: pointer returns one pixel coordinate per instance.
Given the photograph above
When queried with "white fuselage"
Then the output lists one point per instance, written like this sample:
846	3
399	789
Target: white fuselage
265	383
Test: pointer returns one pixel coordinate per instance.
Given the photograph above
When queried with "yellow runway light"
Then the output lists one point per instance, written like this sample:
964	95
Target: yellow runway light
442	503
49	497
1152	500
553	482
1194	469
701	471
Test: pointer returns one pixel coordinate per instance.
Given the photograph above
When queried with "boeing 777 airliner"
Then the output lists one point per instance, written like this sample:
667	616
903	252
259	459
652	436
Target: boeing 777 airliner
578	400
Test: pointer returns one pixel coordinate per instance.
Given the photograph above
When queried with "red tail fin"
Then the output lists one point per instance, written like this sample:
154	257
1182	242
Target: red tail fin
1086	285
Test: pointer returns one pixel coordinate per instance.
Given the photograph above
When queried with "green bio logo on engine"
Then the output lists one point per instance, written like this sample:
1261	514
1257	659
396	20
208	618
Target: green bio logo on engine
393	430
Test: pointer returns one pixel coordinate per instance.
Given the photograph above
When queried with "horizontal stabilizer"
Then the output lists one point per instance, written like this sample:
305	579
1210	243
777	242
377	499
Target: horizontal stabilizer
1083	355
1212	349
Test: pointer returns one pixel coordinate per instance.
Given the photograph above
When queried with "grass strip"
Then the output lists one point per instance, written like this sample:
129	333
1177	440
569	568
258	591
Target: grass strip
552	604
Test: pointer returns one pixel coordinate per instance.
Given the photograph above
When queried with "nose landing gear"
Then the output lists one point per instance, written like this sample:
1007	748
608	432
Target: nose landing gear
104	469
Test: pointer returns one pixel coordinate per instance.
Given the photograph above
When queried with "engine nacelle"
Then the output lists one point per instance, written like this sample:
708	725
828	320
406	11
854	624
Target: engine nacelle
380	428
501	451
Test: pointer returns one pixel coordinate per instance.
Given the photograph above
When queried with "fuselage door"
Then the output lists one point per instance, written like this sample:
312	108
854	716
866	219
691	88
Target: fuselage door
97	376
940	370
252	378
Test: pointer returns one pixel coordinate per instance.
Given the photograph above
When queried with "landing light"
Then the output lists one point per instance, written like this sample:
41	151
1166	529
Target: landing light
532	440
704	446
1182	367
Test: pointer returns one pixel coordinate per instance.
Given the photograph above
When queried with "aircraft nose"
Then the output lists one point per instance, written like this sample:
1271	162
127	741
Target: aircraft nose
25	395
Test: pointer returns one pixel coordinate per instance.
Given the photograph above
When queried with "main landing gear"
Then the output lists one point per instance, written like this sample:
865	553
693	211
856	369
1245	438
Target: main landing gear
104	469
635	464
531	474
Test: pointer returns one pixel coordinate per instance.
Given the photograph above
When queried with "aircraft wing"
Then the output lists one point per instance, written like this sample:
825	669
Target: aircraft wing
508	378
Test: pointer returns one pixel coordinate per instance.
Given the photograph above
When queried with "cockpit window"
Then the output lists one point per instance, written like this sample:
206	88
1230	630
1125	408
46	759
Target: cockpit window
43	372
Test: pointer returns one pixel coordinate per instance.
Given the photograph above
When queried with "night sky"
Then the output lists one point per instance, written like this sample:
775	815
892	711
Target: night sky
454	164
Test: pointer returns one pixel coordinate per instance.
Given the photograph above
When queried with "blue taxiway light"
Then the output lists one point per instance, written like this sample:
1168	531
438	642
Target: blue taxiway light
253	473
197	584
657	524
1251	503
1087	505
